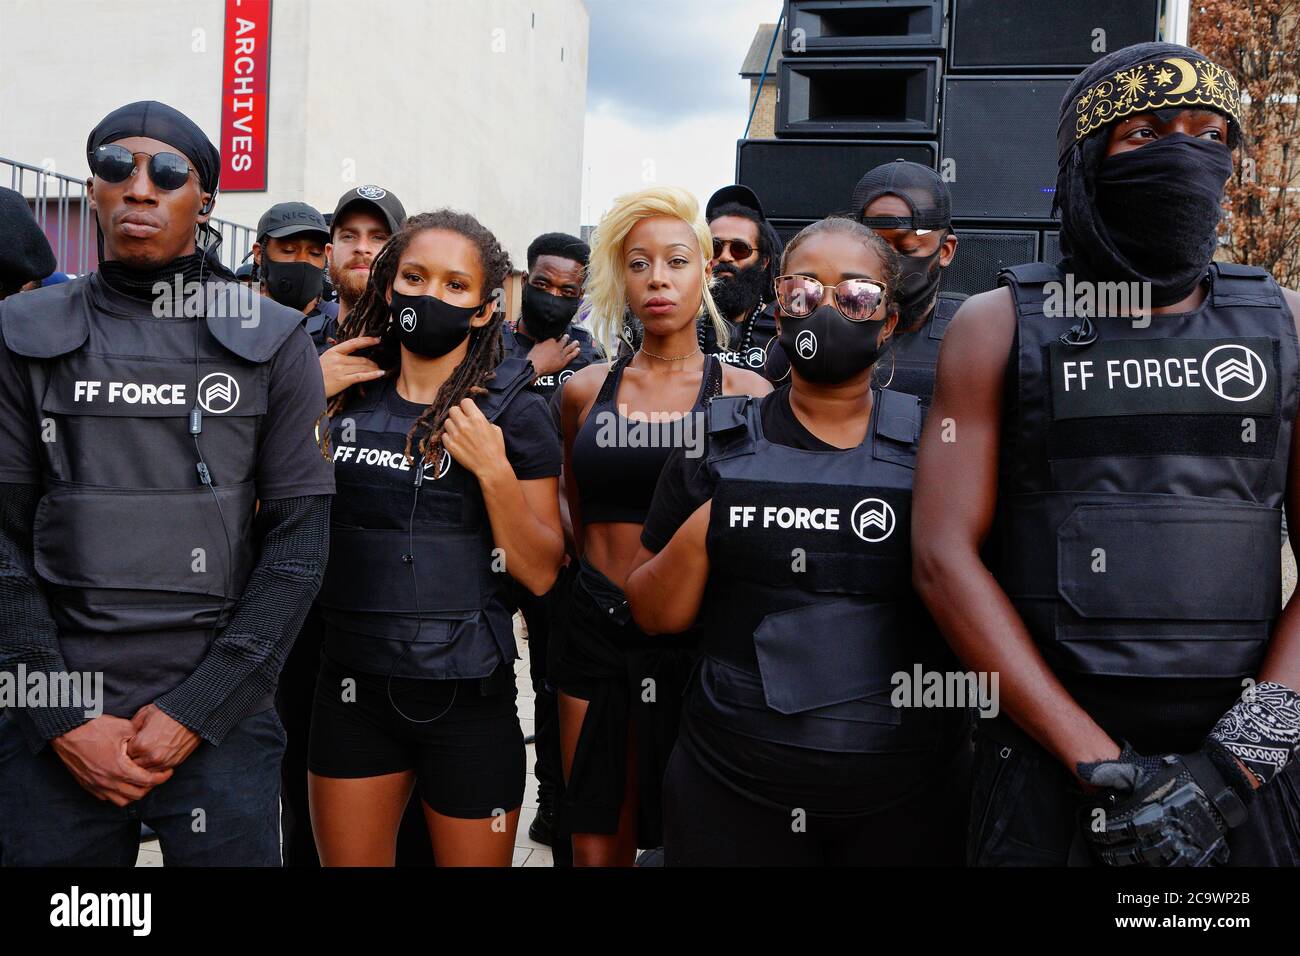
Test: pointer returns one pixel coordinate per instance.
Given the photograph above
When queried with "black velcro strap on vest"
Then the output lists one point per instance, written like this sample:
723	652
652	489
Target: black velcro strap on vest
512	376
1237	285
256	338
45	323
727	412
900	417
732	427
1031	273
831	653
945	310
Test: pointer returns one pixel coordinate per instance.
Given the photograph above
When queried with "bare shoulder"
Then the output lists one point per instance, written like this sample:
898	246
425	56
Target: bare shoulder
585	383
741	381
981	332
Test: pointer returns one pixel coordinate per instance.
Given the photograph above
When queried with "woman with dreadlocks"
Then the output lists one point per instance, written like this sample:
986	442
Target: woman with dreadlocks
619	691
447	475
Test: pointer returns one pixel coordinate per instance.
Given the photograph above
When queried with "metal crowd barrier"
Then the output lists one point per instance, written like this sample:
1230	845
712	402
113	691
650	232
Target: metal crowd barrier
60	205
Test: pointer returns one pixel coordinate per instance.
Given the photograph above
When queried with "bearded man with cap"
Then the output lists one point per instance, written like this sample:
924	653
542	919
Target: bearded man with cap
364	219
165	520
289	259
746	253
908	206
1137	461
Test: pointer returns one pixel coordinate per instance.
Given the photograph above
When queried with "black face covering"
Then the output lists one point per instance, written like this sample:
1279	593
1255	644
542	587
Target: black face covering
918	285
294	284
738	296
1159	208
827	348
428	326
546	316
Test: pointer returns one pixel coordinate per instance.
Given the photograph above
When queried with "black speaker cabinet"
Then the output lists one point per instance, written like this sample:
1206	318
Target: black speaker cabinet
983	253
787	229
812	178
1051	248
856	96
999	145
825	27
1066	35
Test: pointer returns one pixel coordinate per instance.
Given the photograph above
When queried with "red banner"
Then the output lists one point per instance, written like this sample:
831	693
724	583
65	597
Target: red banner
245	95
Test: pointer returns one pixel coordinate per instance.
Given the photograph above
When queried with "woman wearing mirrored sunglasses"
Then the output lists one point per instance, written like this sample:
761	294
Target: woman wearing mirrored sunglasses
789	539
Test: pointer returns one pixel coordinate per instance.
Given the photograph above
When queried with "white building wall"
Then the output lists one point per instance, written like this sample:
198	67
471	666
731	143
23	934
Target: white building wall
464	103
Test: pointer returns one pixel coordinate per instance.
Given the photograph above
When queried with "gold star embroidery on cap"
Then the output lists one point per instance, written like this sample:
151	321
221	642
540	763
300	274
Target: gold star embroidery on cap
1176	82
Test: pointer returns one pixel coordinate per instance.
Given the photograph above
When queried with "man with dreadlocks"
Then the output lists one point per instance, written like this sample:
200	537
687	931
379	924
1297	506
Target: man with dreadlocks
1137	461
448	472
746	256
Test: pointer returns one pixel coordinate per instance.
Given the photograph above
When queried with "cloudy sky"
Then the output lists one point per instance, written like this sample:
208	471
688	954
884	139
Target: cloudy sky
665	102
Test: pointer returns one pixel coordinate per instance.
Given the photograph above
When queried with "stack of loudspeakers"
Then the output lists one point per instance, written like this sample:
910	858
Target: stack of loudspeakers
971	88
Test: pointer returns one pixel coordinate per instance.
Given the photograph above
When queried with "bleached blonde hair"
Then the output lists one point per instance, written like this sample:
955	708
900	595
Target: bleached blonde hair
606	289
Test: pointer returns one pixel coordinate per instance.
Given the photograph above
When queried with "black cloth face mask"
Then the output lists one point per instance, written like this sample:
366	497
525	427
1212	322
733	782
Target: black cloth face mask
1157	211
293	284
826	348
428	326
918	284
546	316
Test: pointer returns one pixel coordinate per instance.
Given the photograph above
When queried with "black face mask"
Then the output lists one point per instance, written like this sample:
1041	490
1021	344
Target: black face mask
293	284
428	326
738	296
1159	207
546	316
918	284
827	348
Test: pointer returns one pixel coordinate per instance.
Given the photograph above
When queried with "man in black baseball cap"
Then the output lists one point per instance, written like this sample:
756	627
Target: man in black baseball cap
746	254
289	256
25	256
908	206
364	219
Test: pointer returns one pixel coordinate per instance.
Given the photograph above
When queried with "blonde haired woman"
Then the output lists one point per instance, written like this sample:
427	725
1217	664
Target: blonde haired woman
620	691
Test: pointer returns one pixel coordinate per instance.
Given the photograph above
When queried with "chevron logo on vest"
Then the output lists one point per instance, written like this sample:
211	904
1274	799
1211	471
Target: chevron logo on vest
872	520
218	393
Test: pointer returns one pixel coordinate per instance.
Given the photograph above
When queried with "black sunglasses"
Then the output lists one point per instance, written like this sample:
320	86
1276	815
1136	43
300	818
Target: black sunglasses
115	164
740	249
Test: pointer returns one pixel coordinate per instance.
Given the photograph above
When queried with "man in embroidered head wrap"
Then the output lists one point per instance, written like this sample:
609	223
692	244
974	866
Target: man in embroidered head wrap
1129	419
165	509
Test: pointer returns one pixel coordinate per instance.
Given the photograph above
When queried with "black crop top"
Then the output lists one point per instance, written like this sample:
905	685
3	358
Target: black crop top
617	460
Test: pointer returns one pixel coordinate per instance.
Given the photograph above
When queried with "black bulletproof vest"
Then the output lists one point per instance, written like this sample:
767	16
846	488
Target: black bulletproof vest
128	539
1142	478
516	346
809	610
748	345
399	549
322	324
912	358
